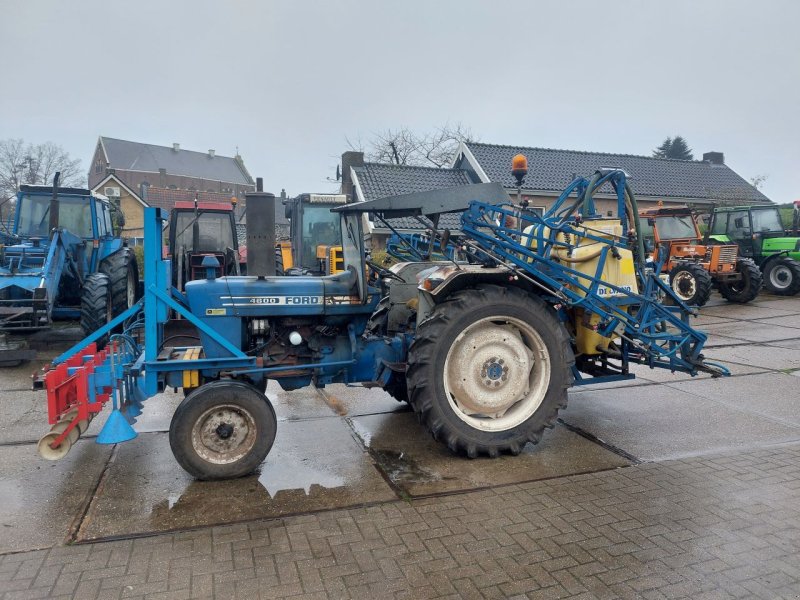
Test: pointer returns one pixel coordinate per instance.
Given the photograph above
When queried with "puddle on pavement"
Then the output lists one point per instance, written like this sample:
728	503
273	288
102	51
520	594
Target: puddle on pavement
299	475
314	465
418	465
400	467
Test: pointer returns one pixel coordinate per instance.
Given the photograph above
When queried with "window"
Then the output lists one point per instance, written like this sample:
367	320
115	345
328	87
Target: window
766	220
213	231
739	224
676	227
107	218
74	215
720	224
101	222
98	166
322	228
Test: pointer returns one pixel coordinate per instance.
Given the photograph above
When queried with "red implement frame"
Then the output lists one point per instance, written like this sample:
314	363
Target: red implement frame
68	394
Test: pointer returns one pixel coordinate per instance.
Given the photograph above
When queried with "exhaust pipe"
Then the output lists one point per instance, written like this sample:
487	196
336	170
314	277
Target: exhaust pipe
260	214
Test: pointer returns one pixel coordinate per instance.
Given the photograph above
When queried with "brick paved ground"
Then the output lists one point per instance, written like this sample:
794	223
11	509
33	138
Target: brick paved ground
710	527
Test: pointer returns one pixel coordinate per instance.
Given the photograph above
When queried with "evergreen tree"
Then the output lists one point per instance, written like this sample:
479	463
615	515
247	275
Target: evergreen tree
676	147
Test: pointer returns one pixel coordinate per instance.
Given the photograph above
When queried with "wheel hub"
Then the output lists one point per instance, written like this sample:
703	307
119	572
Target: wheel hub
224	434
489	369
494	372
780	276
684	285
224	430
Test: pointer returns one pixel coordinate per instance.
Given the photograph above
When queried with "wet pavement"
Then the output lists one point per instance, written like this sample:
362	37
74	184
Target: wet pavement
345	447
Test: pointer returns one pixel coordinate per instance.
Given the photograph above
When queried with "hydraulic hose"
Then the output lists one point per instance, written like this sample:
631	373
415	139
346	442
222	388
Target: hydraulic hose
636	225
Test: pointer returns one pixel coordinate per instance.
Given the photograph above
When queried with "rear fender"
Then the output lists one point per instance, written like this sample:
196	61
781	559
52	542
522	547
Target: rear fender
439	283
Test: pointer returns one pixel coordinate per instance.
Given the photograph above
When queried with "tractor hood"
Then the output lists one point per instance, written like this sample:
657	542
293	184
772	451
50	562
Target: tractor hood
272	296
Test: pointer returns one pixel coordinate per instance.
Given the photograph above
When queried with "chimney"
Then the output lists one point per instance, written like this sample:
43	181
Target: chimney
715	158
176	147
350	159
211	153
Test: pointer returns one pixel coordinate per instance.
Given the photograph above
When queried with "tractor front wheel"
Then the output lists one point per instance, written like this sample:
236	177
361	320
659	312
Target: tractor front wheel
745	289
222	430
691	283
782	276
95	303
123	273
489	370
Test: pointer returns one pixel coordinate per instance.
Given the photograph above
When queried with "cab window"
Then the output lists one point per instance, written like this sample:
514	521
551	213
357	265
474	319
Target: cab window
739	224
101	223
107	218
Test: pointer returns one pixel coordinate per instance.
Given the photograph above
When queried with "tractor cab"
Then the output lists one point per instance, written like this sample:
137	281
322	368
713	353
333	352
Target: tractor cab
315	240
669	230
80	212
760	234
747	227
77	215
198	230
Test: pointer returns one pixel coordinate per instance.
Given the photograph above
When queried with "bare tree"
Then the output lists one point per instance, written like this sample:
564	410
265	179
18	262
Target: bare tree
757	181
35	164
406	147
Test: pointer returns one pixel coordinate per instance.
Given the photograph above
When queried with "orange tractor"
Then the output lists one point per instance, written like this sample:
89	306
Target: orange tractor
694	268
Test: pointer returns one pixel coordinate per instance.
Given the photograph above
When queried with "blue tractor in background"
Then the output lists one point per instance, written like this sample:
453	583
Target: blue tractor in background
61	259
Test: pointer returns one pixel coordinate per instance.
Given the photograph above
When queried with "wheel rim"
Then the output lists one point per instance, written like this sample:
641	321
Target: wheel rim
684	285
496	373
224	434
130	291
780	277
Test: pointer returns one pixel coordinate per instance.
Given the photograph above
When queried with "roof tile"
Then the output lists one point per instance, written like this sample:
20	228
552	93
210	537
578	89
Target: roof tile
552	170
381	180
135	156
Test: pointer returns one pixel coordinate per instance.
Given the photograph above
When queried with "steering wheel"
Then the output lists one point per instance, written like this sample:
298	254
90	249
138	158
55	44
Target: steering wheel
383	272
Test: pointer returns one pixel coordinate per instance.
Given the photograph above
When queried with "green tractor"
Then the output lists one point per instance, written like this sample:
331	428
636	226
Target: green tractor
760	235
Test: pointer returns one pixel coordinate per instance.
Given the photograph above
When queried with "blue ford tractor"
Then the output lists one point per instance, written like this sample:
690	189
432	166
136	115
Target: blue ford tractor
62	260
483	349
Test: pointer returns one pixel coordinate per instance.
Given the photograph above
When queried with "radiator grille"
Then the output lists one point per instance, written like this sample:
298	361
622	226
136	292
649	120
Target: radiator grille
727	255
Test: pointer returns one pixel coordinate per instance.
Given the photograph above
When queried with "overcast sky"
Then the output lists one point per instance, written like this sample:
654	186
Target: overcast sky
287	82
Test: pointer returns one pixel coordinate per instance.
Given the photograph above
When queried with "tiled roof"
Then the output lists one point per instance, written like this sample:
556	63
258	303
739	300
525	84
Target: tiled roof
135	156
552	170
165	199
378	180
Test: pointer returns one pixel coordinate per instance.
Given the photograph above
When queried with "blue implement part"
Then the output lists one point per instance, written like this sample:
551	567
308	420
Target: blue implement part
540	250
116	429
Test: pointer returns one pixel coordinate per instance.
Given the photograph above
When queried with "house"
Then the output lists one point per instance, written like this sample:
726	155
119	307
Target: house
137	164
132	203
137	175
696	182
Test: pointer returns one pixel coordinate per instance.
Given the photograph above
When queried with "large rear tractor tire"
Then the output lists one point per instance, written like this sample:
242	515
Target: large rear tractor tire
222	430
782	276
489	370
123	274
691	283
747	288
95	304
